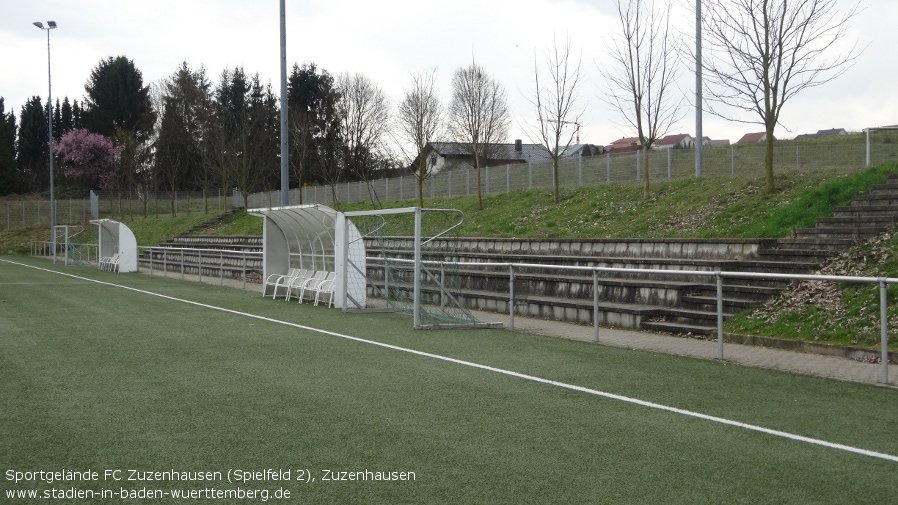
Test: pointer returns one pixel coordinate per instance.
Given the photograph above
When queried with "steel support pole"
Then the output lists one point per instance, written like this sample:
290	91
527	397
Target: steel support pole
595	304
511	297
699	145
719	316
884	328
417	282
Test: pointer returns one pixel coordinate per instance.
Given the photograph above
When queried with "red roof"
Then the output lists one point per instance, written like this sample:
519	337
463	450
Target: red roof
752	138
671	140
627	141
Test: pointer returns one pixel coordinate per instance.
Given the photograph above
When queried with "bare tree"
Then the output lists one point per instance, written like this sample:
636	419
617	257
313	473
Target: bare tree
420	122
365	118
555	102
642	72
768	51
478	115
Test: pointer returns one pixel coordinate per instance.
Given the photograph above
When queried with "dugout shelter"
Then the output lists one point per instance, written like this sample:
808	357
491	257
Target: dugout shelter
312	237
117	241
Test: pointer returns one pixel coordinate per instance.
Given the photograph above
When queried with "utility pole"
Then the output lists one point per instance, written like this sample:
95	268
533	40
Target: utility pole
285	148
699	139
50	25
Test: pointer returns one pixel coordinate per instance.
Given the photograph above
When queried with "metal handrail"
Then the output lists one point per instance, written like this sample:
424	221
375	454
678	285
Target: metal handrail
719	275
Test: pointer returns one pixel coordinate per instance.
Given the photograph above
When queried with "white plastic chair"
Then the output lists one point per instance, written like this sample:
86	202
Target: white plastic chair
326	287
278	280
311	284
297	283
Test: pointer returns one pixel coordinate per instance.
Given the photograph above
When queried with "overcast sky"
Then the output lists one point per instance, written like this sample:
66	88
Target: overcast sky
389	40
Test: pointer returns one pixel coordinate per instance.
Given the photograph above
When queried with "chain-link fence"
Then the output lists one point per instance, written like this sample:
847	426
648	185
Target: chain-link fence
36	213
746	161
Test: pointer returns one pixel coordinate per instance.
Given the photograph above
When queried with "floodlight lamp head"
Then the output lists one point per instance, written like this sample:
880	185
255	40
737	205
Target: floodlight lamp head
51	24
38	24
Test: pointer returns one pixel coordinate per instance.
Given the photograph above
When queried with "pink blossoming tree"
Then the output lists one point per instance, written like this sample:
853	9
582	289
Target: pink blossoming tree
87	157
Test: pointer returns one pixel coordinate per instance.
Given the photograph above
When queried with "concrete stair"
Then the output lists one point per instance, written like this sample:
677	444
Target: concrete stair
867	216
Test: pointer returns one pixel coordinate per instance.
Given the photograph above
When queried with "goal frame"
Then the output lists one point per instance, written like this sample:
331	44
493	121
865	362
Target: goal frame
343	232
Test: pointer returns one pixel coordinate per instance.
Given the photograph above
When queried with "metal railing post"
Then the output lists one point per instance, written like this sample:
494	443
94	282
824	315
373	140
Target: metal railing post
719	316
221	268
511	297
244	269
884	328
199	267
595	304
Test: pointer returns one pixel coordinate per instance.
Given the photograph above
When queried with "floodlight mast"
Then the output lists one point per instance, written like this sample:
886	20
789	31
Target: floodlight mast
50	25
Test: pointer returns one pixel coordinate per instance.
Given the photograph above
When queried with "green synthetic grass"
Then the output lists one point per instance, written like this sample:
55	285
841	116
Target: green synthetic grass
99	377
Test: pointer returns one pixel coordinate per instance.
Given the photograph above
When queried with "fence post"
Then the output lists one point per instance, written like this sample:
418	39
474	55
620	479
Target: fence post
608	167
199	267
221	268
867	165
638	164
669	163
580	169
884	328
508	178
719	316
529	175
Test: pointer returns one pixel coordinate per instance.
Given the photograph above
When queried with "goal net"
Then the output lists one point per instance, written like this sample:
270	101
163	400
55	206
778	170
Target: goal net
407	266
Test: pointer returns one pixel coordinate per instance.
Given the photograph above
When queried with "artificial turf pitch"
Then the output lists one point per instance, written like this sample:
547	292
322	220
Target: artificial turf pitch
98	377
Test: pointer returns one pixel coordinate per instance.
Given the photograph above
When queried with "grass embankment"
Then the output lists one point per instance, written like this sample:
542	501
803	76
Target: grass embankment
692	208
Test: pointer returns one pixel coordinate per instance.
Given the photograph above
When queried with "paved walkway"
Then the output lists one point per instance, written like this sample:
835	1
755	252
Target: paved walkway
831	367
762	357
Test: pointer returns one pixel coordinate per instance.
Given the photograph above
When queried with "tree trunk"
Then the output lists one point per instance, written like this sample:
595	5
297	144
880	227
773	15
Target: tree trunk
646	189
556	191
768	158
420	180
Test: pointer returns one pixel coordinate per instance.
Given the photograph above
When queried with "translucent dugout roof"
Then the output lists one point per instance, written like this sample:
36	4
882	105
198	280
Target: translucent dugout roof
300	236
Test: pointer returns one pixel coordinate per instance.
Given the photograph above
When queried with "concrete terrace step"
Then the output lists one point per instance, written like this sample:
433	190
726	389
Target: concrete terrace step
861	219
874	199
890	187
764	264
857	233
628	315
890	211
726	249
707	302
680	328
